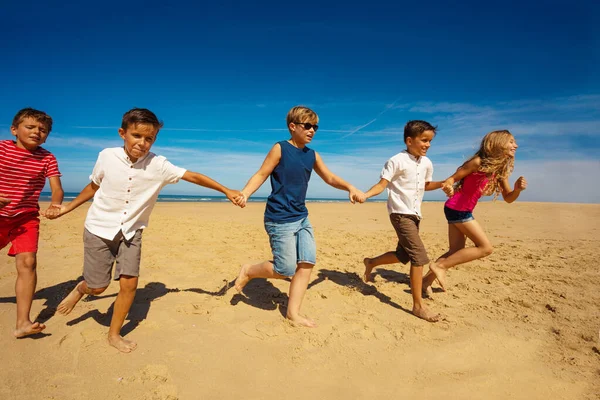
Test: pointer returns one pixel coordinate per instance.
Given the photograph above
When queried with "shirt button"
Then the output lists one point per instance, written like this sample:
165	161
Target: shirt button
125	212
126	201
128	190
129	178
131	166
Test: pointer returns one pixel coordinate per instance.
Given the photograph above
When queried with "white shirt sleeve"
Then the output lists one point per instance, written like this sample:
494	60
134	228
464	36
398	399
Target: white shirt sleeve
389	170
98	171
170	173
429	172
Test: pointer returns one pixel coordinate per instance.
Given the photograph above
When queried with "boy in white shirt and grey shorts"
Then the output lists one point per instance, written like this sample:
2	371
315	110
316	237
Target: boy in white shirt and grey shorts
125	184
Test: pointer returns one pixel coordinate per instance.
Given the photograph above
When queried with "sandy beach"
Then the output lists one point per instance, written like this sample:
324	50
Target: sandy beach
521	324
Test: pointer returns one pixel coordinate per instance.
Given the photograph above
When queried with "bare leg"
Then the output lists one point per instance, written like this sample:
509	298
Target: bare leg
419	309
297	290
24	290
128	286
482	248
69	302
260	270
370	263
456	241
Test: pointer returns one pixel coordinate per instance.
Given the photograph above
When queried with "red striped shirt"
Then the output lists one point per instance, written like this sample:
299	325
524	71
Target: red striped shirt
23	175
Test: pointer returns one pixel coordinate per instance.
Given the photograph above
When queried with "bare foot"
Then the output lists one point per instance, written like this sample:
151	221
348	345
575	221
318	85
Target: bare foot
30	328
440	274
368	269
425	314
242	278
121	344
301	320
66	306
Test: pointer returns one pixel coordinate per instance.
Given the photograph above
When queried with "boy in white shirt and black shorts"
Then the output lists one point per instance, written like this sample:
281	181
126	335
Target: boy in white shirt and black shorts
406	176
125	184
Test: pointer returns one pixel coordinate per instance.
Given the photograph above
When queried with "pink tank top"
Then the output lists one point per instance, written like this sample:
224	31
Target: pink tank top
472	188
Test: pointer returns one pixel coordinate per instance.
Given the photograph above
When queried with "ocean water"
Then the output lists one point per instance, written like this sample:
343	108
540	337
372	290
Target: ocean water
45	196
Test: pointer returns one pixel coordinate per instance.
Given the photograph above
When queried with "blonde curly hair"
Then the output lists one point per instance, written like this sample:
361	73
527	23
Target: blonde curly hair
495	163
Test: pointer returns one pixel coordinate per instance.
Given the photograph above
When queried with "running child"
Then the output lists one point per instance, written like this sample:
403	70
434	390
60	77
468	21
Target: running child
484	174
125	184
290	163
24	168
407	176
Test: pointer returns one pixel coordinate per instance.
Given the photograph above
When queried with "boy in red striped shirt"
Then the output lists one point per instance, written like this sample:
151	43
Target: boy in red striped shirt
24	167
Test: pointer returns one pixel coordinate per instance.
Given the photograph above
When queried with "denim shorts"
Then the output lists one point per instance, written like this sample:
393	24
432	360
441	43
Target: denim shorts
456	217
291	243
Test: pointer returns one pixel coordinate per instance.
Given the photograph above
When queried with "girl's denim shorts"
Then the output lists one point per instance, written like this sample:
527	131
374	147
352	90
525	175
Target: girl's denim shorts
291	243
455	217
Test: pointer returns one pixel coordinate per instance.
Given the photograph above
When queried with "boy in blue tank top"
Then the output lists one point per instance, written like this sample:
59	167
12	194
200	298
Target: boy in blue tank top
289	164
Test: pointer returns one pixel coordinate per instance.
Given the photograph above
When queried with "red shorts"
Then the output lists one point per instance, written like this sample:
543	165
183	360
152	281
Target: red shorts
23	231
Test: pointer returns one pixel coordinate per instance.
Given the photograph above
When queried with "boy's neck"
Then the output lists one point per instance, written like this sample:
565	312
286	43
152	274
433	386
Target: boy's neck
414	155
21	146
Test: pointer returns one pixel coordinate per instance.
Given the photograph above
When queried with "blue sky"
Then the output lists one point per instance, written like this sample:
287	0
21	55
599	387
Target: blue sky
223	76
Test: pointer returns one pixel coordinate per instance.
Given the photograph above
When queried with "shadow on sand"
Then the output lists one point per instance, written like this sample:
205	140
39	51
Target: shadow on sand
353	281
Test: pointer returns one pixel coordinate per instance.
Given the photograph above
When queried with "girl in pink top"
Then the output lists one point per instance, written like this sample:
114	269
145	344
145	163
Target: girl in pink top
484	174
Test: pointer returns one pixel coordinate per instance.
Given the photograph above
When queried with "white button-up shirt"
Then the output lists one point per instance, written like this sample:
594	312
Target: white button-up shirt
128	191
406	175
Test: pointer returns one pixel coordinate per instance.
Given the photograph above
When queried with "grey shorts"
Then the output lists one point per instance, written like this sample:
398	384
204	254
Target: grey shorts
99	255
410	246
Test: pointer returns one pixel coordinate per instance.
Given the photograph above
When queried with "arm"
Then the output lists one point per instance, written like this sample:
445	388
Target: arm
511	195
86	194
333	180
256	181
377	188
56	199
203	180
433	185
467	168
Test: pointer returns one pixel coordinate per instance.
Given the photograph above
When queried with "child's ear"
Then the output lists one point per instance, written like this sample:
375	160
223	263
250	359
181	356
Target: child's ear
122	133
409	141
13	130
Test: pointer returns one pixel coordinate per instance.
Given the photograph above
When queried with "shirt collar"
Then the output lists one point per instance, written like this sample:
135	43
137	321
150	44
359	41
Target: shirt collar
415	159
126	157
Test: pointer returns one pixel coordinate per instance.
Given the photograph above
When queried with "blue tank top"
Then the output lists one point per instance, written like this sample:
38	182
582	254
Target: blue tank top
289	182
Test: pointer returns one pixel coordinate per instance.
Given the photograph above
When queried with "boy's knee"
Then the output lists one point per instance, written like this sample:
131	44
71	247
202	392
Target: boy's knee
96	291
26	261
306	265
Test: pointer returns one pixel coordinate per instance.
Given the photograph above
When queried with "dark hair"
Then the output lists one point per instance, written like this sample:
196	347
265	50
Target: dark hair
38	115
415	128
140	116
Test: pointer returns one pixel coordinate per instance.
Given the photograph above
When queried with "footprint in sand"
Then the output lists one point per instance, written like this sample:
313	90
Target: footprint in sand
262	330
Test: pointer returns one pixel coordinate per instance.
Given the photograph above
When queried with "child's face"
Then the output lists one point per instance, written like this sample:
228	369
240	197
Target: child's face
300	134
30	134
138	140
418	146
511	147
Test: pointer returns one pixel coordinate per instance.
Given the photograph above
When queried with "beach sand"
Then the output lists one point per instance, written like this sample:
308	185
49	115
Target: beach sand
521	324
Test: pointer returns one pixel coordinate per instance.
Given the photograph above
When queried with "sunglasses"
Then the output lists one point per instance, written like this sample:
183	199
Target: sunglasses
307	125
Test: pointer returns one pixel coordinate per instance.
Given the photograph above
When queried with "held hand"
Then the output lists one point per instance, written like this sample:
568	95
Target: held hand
4	200
54	211
360	197
355	195
448	188
521	184
233	196
239	199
